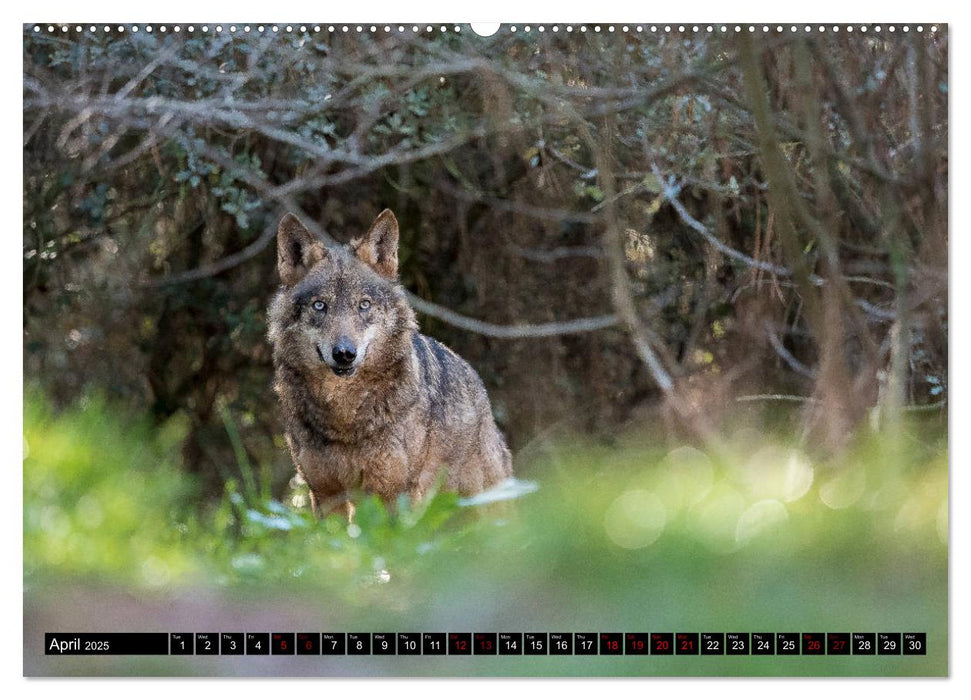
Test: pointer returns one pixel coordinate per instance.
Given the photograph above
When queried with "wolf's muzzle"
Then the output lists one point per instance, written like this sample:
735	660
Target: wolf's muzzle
344	353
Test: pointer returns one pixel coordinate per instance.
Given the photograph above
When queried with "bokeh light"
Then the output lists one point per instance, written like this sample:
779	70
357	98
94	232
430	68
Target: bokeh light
635	519
760	517
775	472
715	519
843	489
685	477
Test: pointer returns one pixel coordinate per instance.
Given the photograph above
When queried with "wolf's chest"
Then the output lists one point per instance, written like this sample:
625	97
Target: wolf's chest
383	464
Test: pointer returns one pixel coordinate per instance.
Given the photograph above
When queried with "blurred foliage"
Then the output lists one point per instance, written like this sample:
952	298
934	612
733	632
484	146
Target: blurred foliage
99	500
633	537
156	166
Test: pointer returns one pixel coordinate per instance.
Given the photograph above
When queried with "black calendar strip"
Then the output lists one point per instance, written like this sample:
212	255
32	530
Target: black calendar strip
488	643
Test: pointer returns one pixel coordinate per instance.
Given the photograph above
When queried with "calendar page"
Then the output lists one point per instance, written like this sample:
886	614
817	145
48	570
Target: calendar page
451	350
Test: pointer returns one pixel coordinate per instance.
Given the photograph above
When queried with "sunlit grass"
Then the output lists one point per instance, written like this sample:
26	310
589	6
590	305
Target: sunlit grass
641	535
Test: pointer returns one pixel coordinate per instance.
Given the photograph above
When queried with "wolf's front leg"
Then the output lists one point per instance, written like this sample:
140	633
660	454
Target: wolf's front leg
340	503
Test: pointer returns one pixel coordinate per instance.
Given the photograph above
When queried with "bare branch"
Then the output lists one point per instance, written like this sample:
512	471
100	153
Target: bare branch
556	254
789	358
492	330
516	207
670	191
223	264
620	284
876	311
776	397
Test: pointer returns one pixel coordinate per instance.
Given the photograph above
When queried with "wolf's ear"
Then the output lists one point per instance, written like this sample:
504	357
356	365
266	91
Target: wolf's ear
379	247
298	250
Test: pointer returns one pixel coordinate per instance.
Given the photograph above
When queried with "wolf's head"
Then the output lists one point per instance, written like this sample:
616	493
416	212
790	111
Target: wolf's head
340	308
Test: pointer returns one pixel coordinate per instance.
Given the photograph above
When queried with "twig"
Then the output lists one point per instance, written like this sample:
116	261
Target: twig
777	397
221	265
492	330
926	407
670	191
620	284
876	311
516	207
556	254
786	355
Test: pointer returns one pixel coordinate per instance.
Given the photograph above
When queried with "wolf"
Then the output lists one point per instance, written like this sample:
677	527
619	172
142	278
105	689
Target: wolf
369	403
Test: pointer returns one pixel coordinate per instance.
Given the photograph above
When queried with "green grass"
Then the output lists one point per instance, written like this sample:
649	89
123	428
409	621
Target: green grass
638	536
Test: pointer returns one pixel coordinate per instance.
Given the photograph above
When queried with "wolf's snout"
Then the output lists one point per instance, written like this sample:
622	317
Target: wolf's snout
344	352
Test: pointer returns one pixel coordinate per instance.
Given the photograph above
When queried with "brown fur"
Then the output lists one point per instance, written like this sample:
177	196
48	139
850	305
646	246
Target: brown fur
406	409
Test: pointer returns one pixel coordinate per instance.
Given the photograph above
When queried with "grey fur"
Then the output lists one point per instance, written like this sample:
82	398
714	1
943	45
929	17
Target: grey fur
404	410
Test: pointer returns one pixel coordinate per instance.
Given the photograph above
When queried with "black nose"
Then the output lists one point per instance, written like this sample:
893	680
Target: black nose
344	352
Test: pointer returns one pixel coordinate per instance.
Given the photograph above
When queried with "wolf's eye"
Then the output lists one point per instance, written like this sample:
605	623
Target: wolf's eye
364	305
320	306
